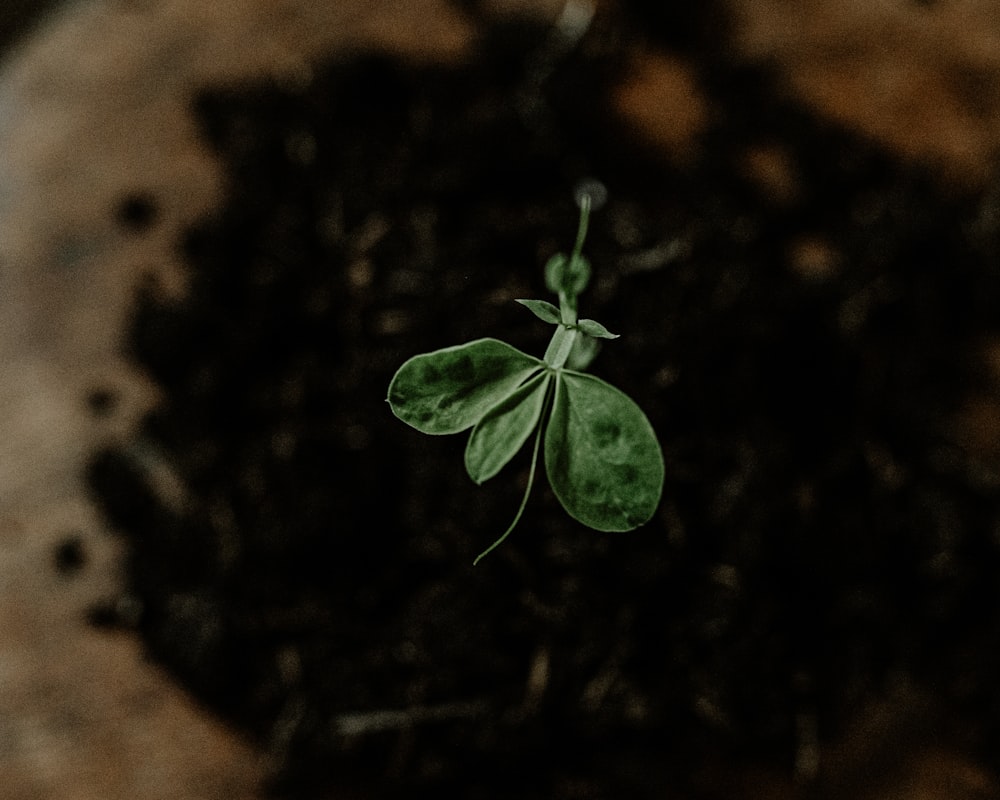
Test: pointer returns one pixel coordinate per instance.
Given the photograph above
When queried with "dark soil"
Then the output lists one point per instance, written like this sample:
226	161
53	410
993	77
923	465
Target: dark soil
18	18
821	532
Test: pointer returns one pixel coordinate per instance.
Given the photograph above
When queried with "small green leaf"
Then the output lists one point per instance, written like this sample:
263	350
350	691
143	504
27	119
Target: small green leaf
451	389
500	434
584	351
595	329
601	455
569	276
542	309
555	271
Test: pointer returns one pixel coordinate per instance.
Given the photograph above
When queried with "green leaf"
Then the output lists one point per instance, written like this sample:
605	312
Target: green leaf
584	351
500	434
595	329
563	274
450	390
601	455
542	309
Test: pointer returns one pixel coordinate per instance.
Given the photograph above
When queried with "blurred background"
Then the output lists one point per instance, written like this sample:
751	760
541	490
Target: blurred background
105	169
18	20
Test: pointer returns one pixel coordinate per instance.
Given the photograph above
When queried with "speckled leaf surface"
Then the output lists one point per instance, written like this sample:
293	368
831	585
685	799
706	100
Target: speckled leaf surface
500	434
601	455
449	390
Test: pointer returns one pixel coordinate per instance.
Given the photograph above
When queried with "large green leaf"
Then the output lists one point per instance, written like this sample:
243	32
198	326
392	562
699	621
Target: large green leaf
601	455
451	389
502	432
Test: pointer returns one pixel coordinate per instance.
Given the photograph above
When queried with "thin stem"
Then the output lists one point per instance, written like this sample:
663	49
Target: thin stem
560	346
581	231
567	299
567	308
527	490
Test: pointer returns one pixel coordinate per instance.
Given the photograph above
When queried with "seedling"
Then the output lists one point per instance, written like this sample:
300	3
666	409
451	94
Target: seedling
601	455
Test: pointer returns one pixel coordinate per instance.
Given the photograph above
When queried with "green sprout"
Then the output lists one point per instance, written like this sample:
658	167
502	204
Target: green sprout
601	455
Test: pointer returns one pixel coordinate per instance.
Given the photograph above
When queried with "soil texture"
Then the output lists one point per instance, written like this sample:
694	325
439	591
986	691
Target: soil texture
803	317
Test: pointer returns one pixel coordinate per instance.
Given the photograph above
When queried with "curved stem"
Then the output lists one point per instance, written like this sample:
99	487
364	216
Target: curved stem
527	490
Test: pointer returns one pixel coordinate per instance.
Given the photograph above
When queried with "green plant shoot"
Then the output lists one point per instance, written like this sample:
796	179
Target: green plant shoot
602	457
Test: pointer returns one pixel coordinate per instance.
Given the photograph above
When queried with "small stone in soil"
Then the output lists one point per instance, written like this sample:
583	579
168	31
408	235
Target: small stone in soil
70	555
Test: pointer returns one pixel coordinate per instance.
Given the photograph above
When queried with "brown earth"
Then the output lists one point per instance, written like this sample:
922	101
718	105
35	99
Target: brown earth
96	106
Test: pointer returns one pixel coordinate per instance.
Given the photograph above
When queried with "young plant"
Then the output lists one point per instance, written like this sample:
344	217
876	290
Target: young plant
602	457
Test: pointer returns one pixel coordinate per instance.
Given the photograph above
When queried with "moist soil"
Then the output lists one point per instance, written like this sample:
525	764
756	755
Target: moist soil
306	570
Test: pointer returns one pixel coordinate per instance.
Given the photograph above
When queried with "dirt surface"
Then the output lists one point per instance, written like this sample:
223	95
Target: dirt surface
805	283
96	108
